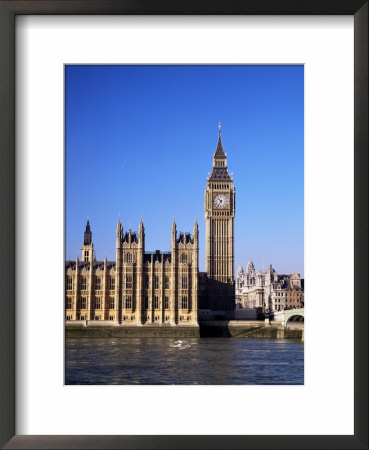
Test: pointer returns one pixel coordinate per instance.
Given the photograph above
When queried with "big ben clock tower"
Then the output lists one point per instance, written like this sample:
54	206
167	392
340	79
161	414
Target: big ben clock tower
219	217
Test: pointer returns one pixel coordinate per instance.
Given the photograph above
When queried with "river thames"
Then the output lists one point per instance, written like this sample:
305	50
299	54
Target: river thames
183	361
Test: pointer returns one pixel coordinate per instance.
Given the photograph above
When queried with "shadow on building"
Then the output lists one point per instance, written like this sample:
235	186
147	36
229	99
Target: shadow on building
216	299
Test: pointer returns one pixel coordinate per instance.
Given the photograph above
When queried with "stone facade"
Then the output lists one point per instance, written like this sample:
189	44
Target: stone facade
138	288
268	291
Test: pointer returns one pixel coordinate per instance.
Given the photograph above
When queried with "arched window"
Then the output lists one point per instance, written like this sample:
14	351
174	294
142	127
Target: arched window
166	282
112	283
128	282
156	302
184	258
129	257
98	303
156	282
184	302
184	282
83	303
83	283
128	302
69	283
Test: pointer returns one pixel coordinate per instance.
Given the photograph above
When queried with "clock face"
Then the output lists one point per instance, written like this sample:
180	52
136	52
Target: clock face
220	201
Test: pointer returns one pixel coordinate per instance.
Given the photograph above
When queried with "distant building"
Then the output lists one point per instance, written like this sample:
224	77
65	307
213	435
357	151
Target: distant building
268	291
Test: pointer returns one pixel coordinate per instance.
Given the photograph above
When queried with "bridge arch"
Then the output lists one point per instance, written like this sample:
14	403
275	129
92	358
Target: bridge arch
297	319
294	316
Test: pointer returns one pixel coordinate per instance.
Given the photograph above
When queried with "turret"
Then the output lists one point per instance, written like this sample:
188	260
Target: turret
250	267
88	234
87	245
140	274
119	234
141	235
118	268
174	233
195	233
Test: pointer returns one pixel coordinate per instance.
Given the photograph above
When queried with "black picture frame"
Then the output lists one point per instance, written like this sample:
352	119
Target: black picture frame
8	12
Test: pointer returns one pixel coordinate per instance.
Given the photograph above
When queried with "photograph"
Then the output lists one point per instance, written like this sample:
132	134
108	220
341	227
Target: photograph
184	224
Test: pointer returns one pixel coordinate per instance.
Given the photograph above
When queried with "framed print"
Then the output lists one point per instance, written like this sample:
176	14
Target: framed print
178	306
43	45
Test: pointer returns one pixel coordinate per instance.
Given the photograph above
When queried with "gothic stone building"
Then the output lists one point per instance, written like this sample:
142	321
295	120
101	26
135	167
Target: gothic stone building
268	291
141	288
138	287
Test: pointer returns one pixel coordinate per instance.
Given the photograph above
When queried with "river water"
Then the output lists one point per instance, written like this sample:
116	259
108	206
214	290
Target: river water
183	361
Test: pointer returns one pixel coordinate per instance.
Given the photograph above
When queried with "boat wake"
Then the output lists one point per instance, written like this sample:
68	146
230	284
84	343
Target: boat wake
180	344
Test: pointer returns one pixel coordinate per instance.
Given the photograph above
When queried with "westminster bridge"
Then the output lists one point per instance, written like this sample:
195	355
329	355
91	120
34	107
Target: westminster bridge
290	318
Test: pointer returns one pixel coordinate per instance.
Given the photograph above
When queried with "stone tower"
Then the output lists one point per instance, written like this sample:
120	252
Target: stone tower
219	218
88	253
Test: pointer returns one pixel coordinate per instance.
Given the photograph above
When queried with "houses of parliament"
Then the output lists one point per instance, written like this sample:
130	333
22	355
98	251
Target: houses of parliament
161	288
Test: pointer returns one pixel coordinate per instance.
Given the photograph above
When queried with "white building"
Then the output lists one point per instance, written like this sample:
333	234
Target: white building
268	291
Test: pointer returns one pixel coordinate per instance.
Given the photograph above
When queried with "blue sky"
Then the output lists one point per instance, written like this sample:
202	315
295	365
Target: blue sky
140	140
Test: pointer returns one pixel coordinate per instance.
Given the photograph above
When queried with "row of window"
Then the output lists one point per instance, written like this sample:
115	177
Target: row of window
69	317
129	258
221	213
282	300
83	303
156	319
83	283
281	294
183	285
287	295
183	302
127	302
156	302
220	185
127	283
126	318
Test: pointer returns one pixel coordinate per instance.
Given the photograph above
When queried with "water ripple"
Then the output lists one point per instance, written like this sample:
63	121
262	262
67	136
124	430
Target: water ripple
191	361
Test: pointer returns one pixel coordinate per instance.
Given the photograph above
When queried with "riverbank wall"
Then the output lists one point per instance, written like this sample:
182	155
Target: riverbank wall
92	330
249	329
